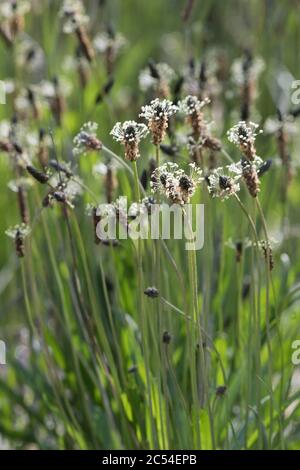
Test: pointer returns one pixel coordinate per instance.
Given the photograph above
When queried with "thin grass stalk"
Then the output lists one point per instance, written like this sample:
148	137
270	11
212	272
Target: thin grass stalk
153	437
197	318
157	245
257	309
68	412
269	341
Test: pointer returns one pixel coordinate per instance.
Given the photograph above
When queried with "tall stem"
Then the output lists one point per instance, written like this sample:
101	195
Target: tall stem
268	282
143	316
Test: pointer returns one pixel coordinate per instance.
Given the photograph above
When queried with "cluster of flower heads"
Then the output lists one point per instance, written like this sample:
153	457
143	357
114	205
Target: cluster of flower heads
174	183
130	133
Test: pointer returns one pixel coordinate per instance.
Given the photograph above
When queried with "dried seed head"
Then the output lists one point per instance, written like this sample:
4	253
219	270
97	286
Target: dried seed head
268	254
144	179
23	205
157	114
151	292
38	175
166	337
130	134
43	154
221	390
239	251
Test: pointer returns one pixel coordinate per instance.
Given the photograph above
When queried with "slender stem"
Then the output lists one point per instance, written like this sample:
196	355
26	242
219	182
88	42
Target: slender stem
137	181
268	280
158	280
256	306
252	224
144	322
226	155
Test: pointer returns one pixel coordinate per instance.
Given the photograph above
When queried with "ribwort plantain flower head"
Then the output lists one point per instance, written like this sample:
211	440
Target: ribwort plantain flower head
243	135
191	107
224	182
12	14
64	189
174	183
20	230
12	8
130	133
87	140
158	77
158	114
248	69
191	104
73	15
105	41
18	234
